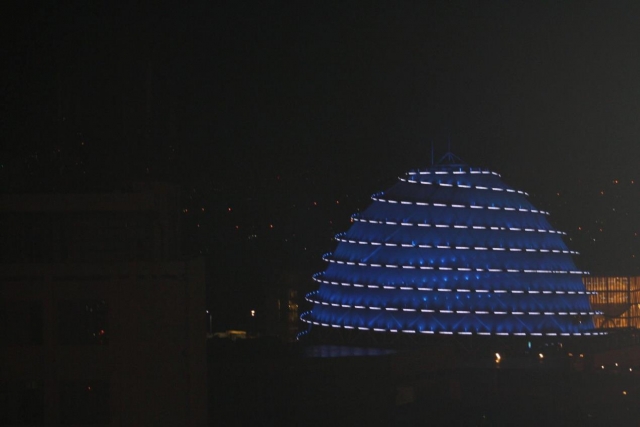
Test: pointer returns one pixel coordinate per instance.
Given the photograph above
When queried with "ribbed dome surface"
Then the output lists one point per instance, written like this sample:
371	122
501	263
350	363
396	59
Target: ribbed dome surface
452	250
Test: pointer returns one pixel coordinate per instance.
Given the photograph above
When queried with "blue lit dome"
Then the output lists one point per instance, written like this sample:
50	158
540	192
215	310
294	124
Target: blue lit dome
452	250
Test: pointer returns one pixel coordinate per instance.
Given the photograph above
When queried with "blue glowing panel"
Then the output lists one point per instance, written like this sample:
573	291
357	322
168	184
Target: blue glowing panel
452	250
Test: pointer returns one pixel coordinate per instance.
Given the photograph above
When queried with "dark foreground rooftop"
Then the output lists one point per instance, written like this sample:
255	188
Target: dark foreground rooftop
268	383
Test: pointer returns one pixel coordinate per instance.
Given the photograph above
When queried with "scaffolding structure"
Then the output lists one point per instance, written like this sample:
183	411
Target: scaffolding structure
618	298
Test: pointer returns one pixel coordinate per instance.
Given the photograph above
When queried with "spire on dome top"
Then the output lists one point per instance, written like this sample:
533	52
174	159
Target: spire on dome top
450	159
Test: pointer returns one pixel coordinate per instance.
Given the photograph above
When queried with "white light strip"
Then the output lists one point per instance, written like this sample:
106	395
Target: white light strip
476	227
477	187
431	332
309	298
327	258
316	277
458	172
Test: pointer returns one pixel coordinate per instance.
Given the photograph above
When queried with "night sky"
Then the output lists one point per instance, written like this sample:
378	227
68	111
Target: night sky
279	120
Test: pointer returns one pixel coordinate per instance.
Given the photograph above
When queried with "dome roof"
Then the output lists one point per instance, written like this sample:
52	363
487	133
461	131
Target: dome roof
452	250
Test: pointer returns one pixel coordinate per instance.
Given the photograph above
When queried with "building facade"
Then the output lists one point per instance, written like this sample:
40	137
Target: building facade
103	320
617	298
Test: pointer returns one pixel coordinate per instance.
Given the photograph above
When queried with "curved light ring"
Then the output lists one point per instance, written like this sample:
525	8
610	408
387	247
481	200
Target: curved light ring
471	171
480	291
440	311
431	332
454	205
472	187
356	218
441	268
476	248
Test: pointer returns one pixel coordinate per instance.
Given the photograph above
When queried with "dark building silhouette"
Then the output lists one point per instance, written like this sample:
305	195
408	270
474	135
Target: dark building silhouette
102	321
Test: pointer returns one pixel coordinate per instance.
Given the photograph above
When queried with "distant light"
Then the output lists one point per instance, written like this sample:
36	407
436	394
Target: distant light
630	369
624	392
270	225
581	355
498	358
541	356
602	366
616	364
253	313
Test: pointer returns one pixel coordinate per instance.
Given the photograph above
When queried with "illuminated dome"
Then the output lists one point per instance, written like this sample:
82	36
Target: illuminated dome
452	250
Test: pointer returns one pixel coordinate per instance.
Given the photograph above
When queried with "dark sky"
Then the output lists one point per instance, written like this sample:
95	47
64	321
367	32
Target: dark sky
280	119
